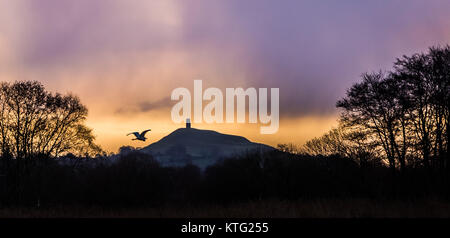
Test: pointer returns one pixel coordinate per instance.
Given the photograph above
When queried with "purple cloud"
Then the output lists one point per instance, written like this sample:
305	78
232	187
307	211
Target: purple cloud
311	50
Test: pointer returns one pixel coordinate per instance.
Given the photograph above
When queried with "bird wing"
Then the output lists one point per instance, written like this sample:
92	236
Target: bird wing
144	132
134	133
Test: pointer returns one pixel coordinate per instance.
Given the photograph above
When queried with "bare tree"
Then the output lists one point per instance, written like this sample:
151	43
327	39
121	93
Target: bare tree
374	106
37	122
350	142
405	112
426	80
289	148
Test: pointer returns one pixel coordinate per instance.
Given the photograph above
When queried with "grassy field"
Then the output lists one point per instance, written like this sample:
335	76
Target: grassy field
328	208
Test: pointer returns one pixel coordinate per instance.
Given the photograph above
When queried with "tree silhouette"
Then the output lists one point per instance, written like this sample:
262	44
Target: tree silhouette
405	112
426	80
345	142
36	122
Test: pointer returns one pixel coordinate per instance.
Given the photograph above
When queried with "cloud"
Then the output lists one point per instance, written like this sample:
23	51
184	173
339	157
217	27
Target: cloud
311	50
148	106
143	107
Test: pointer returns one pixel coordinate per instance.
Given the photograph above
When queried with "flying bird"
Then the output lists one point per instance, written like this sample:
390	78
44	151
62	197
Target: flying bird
140	136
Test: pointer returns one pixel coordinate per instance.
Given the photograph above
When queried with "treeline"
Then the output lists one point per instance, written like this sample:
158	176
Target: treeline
136	180
398	118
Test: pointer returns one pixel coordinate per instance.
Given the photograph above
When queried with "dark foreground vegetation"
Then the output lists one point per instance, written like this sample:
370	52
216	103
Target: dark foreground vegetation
276	182
317	208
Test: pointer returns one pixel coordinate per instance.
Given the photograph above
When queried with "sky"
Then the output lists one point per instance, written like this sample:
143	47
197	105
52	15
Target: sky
124	58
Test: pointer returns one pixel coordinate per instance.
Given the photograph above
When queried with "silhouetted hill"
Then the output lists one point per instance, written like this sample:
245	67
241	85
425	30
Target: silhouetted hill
200	147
